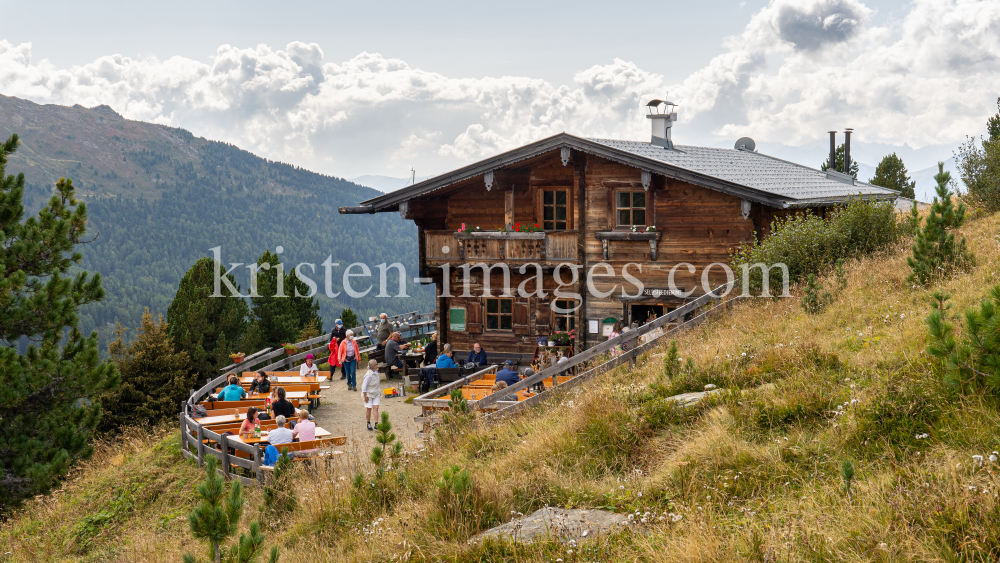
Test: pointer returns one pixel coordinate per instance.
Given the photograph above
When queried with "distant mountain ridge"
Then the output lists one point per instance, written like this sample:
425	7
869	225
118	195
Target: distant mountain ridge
159	198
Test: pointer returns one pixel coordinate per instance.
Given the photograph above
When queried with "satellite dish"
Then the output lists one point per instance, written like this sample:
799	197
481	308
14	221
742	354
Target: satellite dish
746	144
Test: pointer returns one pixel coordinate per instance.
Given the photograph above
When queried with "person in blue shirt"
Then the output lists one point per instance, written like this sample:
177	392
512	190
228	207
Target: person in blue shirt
234	391
507	374
477	355
444	360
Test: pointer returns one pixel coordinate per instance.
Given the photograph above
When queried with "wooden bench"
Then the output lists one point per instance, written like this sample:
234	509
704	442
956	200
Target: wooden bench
245	404
318	444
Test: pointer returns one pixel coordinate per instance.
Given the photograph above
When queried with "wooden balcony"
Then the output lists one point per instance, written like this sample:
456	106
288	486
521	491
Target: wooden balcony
547	248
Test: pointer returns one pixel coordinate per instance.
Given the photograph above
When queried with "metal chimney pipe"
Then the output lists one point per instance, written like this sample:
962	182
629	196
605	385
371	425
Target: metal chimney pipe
847	151
833	151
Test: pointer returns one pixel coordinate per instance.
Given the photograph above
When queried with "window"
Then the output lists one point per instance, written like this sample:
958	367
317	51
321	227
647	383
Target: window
554	210
499	314
565	319
631	209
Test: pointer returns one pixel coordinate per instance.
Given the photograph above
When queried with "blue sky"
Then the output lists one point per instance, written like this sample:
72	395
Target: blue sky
361	88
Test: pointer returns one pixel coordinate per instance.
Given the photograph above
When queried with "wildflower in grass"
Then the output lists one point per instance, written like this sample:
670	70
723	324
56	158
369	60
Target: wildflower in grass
978	459
993	457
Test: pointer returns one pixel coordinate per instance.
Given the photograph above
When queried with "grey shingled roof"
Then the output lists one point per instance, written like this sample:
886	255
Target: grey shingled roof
751	169
748	175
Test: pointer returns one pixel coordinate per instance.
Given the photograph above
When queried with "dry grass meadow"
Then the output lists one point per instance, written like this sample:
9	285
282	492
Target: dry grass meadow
754	474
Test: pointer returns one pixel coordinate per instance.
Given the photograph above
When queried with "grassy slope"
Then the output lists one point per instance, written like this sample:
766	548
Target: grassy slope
754	475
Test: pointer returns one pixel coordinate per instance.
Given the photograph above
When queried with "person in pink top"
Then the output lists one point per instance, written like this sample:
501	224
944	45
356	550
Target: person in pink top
305	430
250	423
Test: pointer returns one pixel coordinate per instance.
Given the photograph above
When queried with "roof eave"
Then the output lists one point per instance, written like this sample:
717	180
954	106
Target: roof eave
391	201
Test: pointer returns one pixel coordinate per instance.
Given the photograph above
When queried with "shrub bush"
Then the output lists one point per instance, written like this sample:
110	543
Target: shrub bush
808	244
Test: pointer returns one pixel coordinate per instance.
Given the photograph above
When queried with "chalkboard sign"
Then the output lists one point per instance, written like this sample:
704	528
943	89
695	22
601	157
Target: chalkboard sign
456	319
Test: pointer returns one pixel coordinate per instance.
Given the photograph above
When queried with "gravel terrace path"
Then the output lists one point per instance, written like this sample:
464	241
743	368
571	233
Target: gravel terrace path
342	412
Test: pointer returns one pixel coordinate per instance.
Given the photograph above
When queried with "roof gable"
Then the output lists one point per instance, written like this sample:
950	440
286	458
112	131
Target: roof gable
748	175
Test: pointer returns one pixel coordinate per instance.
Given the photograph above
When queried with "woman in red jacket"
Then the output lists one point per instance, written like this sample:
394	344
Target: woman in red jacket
349	354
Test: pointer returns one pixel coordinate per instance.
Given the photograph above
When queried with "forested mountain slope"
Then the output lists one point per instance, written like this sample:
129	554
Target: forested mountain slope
159	198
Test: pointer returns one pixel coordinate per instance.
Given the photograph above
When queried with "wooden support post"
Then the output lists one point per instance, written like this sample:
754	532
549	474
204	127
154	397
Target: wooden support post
258	474
224	442
183	426
580	166
201	445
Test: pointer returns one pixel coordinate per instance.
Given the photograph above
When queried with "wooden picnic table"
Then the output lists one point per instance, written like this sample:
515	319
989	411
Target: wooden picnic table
289	395
320	433
287	379
209	420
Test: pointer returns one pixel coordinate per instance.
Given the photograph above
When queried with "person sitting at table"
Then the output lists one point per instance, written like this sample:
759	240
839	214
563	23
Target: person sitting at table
309	369
280	435
305	430
444	360
260	384
393	351
431	351
283	407
507	373
477	355
250	423
498	385
234	391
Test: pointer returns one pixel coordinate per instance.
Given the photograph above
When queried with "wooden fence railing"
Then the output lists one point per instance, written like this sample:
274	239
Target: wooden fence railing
508	407
194	435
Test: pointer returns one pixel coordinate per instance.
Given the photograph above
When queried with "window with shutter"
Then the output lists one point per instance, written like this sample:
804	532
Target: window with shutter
499	314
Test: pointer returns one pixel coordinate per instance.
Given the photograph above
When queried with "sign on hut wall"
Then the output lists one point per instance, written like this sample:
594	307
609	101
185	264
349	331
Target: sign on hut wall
456	319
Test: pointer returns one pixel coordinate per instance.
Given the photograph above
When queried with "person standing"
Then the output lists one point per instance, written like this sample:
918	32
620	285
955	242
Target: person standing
616	331
382	331
337	336
371	389
431	351
349	355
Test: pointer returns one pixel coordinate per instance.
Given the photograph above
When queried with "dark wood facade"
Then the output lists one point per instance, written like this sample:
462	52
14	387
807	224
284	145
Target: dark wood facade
694	224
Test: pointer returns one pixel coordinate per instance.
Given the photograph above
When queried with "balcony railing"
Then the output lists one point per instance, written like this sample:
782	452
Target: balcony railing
490	246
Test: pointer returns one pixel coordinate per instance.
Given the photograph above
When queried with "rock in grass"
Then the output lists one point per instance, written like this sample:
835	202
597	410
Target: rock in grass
559	524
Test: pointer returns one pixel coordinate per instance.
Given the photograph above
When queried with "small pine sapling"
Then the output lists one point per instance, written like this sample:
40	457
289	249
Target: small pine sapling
217	517
671	363
972	363
814	299
847	475
935	250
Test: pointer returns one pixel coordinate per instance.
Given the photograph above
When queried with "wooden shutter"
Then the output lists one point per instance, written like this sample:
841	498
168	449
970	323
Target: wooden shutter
520	317
474	317
543	317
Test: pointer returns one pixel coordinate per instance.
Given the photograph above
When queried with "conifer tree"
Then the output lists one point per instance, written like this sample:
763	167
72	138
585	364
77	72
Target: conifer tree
47	407
840	154
935	252
972	363
278	315
207	328
155	377
349	318
891	173
217	518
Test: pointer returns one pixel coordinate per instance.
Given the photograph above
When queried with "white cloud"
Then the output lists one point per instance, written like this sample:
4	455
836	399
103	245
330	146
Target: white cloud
797	70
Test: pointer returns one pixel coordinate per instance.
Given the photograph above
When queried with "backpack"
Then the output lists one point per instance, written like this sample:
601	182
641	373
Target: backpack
198	411
374	388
